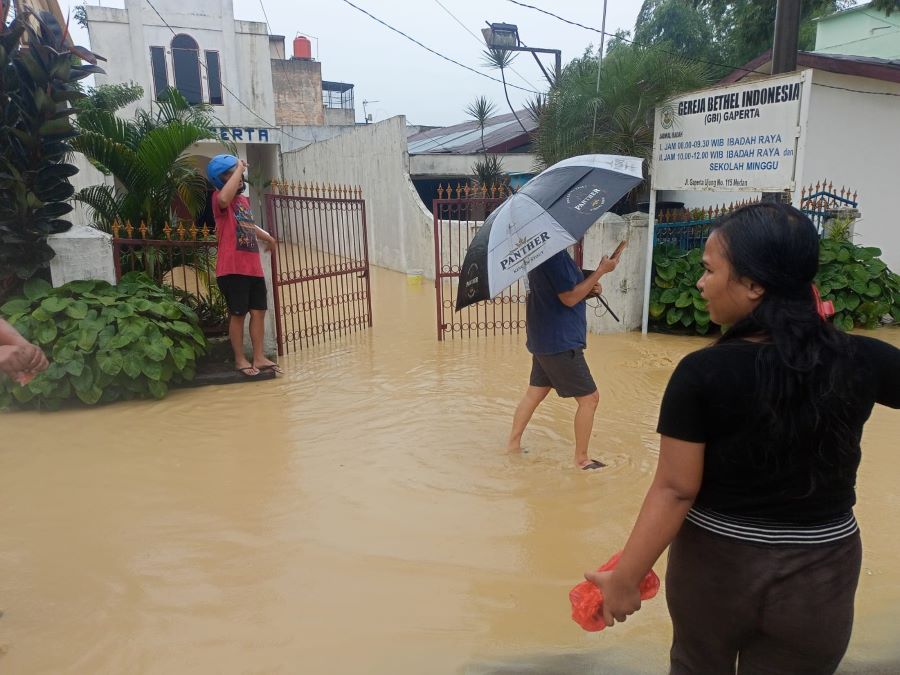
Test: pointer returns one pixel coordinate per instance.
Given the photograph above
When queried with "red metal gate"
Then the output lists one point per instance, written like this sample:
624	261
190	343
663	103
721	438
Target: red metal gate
456	220
321	272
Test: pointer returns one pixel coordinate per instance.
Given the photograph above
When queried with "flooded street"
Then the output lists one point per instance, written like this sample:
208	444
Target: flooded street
359	515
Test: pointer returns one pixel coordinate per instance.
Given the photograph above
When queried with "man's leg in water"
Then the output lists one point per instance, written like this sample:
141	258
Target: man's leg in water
524	411
584	423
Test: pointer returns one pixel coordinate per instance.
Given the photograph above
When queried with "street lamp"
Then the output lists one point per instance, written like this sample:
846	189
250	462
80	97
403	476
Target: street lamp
505	37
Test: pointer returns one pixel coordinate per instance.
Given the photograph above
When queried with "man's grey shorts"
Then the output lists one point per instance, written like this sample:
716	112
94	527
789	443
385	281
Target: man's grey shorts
567	372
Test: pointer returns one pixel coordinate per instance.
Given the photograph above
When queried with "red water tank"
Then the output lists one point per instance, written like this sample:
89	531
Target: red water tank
302	48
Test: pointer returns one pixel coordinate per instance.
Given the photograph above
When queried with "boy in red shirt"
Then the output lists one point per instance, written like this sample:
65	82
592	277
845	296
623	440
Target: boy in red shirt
239	272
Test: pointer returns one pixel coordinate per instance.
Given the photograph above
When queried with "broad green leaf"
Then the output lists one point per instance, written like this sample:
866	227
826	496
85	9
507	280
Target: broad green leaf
87	338
15	306
669	296
132	367
45	333
684	300
55	304
152	369
701	317
700	304
110	362
90	396
673	316
157	389
75	365
873	290
36	288
77	310
657	310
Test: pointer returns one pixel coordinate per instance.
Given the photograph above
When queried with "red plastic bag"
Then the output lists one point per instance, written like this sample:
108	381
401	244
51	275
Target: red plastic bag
587	600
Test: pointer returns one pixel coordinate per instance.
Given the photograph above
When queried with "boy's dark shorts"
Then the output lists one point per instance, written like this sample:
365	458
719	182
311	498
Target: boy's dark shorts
567	372
243	293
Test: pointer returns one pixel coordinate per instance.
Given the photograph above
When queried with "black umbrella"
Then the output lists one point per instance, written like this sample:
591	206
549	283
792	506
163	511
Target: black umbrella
551	212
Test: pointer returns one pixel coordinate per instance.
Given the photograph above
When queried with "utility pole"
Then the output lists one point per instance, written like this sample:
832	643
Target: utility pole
784	57
787	36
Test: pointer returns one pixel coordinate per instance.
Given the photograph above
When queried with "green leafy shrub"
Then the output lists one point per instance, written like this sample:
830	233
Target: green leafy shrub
864	291
675	302
105	343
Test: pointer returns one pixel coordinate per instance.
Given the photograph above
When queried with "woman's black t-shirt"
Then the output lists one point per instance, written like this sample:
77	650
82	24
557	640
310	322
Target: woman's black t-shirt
747	471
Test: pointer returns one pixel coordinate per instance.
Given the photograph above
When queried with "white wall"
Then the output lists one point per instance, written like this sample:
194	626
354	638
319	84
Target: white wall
373	156
124	37
426	165
623	289
853	140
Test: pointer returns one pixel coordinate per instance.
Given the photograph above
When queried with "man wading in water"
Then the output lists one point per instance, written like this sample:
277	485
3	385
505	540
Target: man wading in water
556	325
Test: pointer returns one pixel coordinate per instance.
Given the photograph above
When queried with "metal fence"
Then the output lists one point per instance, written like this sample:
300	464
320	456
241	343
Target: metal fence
689	228
184	262
321	271
458	214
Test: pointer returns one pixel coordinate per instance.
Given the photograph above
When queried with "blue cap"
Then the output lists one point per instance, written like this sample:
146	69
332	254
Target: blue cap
217	166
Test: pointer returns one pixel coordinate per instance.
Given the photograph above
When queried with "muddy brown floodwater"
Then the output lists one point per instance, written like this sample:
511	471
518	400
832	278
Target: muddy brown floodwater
359	515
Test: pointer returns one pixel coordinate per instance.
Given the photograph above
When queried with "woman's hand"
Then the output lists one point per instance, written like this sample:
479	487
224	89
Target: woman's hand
619	600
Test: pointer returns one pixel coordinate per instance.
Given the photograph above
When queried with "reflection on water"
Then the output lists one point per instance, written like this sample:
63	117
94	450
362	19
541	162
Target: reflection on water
359	515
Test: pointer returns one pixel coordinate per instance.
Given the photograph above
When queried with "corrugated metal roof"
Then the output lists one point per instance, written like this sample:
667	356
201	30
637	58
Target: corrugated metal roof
501	134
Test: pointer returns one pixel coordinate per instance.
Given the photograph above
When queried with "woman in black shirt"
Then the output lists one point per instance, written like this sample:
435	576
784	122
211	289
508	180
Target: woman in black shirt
756	478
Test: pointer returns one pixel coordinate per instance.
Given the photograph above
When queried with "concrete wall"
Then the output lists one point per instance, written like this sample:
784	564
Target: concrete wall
340	117
373	156
623	289
298	93
425	166
853	141
296	138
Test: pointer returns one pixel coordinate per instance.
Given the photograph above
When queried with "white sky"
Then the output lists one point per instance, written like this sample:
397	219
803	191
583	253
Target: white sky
399	77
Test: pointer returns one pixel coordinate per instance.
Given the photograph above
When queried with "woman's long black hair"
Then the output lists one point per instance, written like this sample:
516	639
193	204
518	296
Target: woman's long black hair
805	376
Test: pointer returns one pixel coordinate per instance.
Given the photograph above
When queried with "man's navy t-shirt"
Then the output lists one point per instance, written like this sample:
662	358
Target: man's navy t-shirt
552	327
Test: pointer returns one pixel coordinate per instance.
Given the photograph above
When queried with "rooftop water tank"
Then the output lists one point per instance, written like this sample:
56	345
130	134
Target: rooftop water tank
302	48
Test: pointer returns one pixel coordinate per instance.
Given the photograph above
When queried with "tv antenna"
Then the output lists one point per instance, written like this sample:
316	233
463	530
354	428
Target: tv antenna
366	116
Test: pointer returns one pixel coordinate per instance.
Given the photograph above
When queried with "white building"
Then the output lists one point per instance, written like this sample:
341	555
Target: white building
852	140
261	98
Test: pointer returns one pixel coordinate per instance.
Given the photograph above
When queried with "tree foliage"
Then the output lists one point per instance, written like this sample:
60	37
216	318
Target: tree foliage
728	33
147	157
618	119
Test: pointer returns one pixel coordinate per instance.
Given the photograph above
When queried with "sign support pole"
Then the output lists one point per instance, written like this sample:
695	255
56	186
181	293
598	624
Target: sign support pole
648	272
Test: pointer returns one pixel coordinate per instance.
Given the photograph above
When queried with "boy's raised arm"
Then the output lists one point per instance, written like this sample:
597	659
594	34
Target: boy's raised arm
232	185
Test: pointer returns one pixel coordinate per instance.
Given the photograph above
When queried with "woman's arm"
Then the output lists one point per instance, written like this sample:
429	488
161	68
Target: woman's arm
671	495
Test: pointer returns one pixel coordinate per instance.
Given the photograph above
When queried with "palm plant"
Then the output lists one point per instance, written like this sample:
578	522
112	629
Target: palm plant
147	158
633	82
481	110
501	59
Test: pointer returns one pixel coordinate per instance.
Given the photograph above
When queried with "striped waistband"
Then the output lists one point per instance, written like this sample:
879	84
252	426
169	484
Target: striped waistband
768	532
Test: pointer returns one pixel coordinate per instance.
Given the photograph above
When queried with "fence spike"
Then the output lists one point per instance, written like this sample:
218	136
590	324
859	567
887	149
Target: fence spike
167	230
204	231
181	231
143	230
193	231
115	228
854	196
129	229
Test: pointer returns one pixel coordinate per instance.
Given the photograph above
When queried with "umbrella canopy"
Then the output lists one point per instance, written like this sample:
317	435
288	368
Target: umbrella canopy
551	212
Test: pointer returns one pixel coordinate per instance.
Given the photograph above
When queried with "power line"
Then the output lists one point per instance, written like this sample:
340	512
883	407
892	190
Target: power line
689	58
436	53
266	16
478	39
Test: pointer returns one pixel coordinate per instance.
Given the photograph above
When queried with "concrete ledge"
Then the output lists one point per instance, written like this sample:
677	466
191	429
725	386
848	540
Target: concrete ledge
222	373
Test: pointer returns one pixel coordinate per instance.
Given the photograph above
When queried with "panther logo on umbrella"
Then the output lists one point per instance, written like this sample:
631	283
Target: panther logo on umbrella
586	198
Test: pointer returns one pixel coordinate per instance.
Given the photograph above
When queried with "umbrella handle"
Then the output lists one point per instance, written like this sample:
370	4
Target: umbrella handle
608	308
